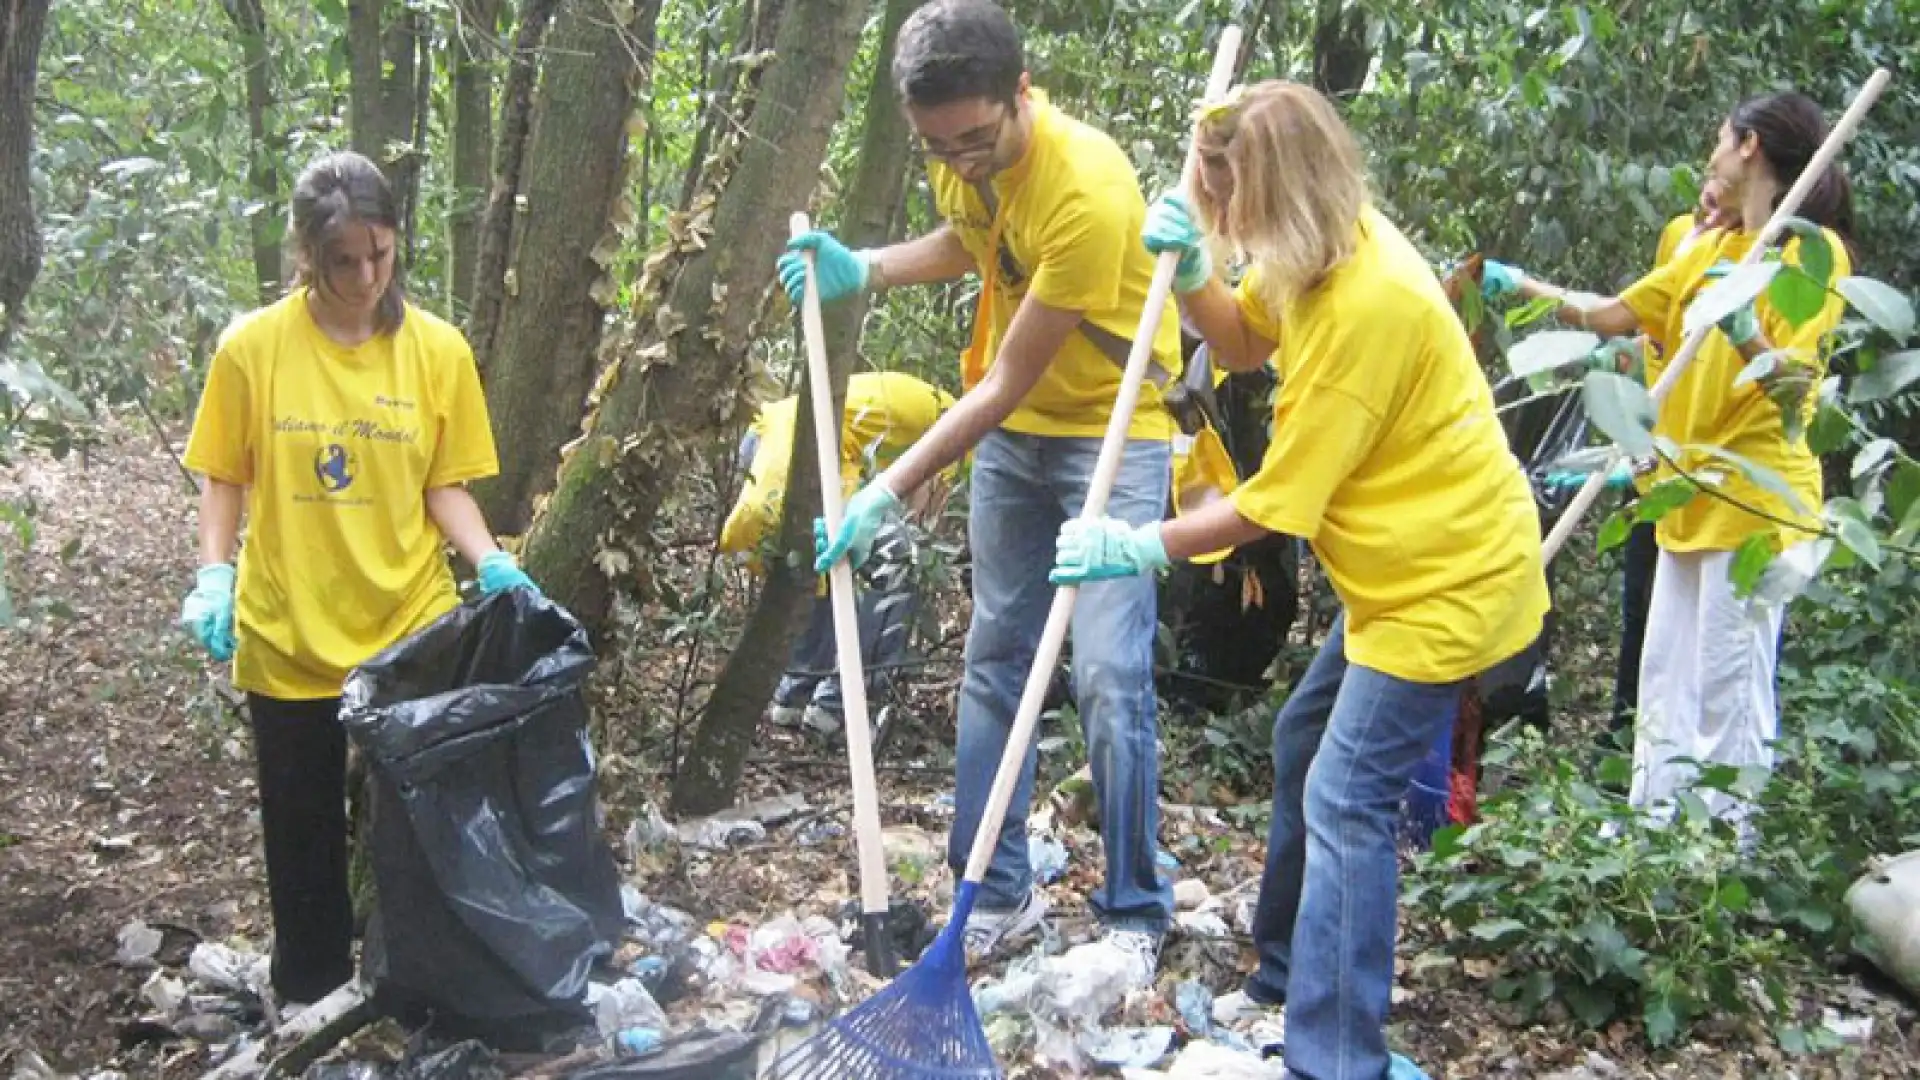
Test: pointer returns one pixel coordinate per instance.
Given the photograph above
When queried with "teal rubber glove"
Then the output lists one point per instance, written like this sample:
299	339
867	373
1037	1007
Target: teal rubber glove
1564	480
841	272
1105	548
207	613
1170	227
498	570
1497	279
865	513
1743	324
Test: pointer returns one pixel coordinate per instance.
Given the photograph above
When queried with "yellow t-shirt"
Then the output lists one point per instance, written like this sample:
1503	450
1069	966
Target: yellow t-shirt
337	448
1071	212
886	412
1388	458
1707	409
1676	237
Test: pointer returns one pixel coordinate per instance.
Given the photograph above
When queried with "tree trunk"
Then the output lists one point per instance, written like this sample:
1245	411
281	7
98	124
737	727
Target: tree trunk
471	135
496	226
263	174
22	22
680	370
759	20
1341	54
382	104
545	350
720	745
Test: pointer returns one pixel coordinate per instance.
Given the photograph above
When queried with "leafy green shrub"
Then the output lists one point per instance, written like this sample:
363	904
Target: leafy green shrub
1592	904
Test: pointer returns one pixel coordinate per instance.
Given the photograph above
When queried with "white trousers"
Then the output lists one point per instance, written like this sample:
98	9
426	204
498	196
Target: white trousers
1706	682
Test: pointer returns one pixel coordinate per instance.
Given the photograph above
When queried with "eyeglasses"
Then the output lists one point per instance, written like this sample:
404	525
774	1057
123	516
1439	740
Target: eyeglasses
975	144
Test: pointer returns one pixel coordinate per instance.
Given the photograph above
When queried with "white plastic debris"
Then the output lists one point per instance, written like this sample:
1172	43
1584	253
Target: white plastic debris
227	968
721	832
139	944
165	993
623	1006
1189	894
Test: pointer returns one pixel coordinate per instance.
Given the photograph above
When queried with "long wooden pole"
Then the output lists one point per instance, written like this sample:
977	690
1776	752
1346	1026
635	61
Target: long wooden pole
1789	206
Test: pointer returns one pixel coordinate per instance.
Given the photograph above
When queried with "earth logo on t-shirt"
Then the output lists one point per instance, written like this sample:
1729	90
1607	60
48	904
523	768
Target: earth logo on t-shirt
334	467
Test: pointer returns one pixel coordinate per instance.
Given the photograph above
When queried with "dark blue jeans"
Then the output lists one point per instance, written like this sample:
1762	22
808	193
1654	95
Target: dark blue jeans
1024	487
1345	746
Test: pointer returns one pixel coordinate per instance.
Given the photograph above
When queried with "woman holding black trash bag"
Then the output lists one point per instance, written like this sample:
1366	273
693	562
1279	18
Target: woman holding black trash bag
345	422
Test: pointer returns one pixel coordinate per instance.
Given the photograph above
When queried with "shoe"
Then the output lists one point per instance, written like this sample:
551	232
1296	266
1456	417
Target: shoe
786	716
1142	945
990	933
821	720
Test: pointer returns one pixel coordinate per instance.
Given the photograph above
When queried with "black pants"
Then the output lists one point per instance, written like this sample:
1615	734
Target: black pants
302	754
1636	595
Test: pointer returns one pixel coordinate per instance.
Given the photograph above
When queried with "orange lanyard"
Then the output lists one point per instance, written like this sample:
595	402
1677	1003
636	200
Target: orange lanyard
973	363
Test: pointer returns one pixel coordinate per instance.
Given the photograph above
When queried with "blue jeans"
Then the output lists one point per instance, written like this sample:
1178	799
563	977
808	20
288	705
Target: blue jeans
885	606
1024	487
1345	746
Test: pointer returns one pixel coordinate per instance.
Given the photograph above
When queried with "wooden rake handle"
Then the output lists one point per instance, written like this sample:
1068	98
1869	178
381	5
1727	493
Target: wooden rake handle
846	619
1789	206
1112	445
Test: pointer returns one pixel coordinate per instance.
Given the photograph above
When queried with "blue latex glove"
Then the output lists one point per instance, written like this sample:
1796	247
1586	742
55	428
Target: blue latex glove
1563	480
1497	279
1400	1068
865	513
498	571
1170	227
207	613
1743	325
841	272
1105	548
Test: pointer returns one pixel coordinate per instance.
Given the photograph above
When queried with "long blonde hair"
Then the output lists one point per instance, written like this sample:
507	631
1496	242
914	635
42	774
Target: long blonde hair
1298	184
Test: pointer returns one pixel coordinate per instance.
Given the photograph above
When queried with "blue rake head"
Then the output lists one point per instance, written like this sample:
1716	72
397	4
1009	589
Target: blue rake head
920	1027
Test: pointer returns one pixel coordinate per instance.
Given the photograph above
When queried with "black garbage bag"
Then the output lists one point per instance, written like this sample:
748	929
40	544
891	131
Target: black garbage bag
496	889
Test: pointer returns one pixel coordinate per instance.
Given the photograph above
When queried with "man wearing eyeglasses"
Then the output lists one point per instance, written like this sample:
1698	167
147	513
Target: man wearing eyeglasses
1047	211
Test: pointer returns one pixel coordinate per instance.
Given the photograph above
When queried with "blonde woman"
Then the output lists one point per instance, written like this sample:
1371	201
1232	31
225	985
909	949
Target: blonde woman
1387	457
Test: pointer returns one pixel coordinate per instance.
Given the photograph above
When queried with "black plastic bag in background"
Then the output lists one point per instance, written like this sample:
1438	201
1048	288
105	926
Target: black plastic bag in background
496	891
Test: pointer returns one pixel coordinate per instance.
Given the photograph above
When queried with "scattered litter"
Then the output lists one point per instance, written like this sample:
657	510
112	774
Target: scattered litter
1848	1029
1189	894
1211	1061
815	833
225	968
1127	1047
776	809
623	1006
139	943
165	993
1047	856
721	832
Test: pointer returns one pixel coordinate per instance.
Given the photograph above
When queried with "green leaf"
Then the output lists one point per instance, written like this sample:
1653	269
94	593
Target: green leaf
1620	407
1494	930
1796	296
1886	306
1850	524
1531	312
1662	1022
1664	498
1892	373
1614	531
1734	896
1729	294
1550	349
1764	478
1616	770
1903	489
1814	255
1872	456
1831	429
1760	367
1686	185
1750	560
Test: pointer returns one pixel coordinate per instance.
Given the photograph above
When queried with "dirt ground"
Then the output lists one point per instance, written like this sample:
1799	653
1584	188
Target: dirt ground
126	792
